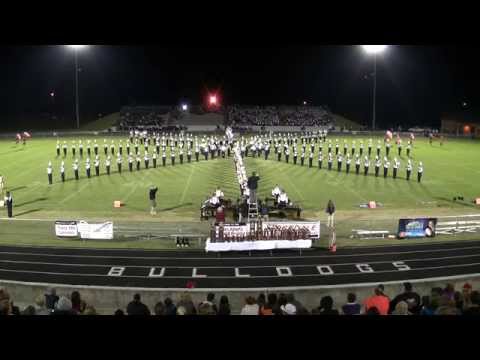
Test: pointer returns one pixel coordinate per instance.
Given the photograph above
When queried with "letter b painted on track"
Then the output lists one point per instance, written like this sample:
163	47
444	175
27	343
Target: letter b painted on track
116	271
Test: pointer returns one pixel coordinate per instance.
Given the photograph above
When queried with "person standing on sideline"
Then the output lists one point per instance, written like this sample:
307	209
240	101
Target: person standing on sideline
49	172
153	202
9	204
252	186
330	210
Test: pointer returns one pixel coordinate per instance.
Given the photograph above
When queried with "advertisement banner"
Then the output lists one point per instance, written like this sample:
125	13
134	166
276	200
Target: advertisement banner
312	226
233	230
415	228
66	228
100	231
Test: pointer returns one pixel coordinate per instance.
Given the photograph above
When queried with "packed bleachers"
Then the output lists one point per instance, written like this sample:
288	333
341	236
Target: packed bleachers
237	115
440	301
143	117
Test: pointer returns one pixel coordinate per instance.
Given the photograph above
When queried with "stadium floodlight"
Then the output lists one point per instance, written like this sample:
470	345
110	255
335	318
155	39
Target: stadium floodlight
374	50
52	94
76	48
304	103
213	99
184	107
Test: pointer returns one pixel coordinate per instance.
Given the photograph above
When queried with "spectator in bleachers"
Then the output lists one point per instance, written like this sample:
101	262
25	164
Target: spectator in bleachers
268	307
426	307
372	311
159	308
466	295
187	303
29	311
78	305
250	308
136	307
5	305
63	307
51	299
211	301
40	308
474	308
351	307
446	306
224	306
119	312
301	310
401	308
261	300
326	307
170	308
378	300
206	308
90	310
410	297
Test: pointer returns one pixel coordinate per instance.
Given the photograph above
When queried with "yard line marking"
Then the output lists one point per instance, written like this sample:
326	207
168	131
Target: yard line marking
236	258
187	185
232	267
75	193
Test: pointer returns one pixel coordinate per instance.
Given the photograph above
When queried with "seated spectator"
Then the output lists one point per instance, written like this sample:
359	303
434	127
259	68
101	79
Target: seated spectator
63	307
51	299
282	301
119	312
269	307
181	310
457	297
466	295
326	307
446	306
136	307
426	307
301	310
401	308
210	301
159	308
90	310
5	305
474	308
40	308
372	311
351	307
29	311
250	308
410	297
170	308
378	300
206	308
187	303
288	309
78	304
449	291
261	300
224	306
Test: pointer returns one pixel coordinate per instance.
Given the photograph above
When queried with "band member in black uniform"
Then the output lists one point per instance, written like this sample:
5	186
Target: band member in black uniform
302	158
75	169
49	173
357	165
409	169
180	156
87	168
80	148
399	147
62	171
95	148
189	155
330	161
420	171
388	148
172	157
154	160
361	148
97	166
295	158
345	148
339	163
279	154
119	164
89	151
65	148
107	165
353	148
378	148
366	165
128	148
120	148
310	159
146	159
386	165
320	160
9	204
347	163
105	147
130	163
112	148
377	166
164	158
336	148
138	162
74	149
370	148
58	148
396	164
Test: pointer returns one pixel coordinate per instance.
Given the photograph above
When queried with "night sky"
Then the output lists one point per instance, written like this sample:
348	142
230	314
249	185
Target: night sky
416	84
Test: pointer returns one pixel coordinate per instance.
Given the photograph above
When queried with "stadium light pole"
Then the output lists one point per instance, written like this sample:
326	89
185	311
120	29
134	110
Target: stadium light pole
75	49
374	50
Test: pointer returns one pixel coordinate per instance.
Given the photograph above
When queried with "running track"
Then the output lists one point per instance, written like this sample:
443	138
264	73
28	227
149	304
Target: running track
173	269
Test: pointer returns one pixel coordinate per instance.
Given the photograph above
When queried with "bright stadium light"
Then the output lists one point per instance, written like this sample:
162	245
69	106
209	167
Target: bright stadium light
374	50
184	107
213	99
77	48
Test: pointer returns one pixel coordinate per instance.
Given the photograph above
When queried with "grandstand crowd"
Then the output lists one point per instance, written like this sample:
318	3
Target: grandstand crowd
440	301
278	116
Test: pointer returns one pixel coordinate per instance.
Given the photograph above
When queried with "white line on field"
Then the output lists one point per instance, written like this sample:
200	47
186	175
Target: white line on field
75	193
187	186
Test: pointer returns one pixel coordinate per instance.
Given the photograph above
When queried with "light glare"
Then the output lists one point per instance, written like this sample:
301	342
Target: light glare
374	49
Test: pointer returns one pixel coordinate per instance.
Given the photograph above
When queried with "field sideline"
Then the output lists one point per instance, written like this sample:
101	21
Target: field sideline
450	171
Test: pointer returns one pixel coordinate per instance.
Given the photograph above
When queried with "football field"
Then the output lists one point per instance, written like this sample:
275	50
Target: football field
450	170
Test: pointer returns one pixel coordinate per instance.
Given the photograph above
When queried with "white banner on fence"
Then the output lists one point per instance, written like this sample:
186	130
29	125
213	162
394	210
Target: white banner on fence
257	245
312	226
230	230
101	231
66	228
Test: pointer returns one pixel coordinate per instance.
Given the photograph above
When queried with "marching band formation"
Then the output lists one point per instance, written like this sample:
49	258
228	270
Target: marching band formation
142	149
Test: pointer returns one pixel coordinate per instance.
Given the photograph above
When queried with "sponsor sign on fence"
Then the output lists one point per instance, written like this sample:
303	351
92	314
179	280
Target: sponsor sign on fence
101	231
312	226
66	228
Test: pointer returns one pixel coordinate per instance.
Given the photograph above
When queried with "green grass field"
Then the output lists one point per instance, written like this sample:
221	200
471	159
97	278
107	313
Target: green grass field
450	171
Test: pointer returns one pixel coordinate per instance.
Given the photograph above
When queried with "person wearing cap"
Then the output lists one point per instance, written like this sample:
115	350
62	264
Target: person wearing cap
420	171
153	199
339	162
49	172
120	148
410	297
379	301
386	165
